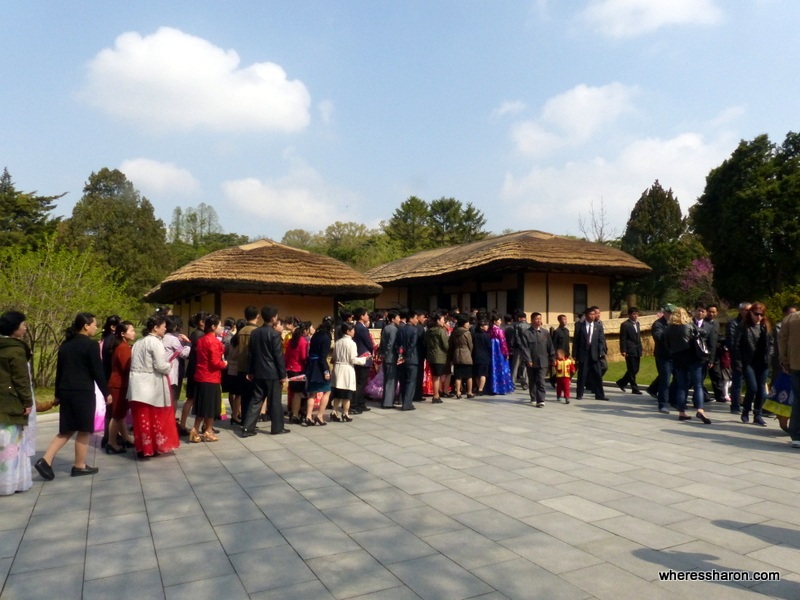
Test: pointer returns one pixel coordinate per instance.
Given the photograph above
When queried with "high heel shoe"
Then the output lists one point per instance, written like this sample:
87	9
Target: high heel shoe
309	422
319	421
194	438
335	418
703	418
347	419
209	437
111	450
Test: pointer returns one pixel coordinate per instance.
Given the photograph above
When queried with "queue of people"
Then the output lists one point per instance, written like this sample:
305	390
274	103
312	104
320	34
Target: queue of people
446	354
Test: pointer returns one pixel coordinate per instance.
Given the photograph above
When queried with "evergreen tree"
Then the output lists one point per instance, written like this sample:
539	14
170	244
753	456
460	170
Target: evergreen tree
409	226
24	217
120	225
749	218
656	234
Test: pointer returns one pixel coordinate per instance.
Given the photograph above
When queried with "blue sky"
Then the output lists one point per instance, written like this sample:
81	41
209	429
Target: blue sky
288	115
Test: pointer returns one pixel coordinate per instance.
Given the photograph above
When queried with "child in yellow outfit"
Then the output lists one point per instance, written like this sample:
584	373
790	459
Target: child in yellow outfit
565	368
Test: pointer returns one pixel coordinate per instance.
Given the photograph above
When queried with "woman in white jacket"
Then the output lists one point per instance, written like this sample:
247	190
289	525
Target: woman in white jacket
345	356
149	393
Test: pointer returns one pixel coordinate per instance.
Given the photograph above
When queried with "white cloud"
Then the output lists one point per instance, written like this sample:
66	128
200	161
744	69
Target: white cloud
299	200
171	80
632	18
572	118
554	197
509	108
159	179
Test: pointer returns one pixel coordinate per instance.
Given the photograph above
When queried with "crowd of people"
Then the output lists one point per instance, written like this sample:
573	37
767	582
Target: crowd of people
445	354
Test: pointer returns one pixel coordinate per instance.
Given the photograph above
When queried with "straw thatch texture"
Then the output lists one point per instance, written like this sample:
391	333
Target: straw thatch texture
531	250
267	267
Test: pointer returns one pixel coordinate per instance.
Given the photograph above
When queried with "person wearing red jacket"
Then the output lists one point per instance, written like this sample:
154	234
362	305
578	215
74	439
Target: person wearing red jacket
208	377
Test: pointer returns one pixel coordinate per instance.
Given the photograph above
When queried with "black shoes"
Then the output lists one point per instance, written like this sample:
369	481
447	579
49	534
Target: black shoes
703	418
409	408
436	401
45	470
620	386
280	432
364	409
347	419
248	433
638	392
86	470
111	450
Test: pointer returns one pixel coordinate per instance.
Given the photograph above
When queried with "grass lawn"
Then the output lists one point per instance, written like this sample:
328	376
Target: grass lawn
647	372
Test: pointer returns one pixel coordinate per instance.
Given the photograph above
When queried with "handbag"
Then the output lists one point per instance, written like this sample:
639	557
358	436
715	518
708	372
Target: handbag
699	345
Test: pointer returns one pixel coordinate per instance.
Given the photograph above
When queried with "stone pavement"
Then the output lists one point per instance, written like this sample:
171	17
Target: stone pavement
486	498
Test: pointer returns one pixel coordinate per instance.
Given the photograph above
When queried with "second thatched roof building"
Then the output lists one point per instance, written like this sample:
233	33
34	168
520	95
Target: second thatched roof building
531	270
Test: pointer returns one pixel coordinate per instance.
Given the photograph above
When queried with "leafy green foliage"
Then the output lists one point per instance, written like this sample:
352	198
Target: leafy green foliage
749	218
24	217
352	243
657	235
409	226
51	285
417	225
114	219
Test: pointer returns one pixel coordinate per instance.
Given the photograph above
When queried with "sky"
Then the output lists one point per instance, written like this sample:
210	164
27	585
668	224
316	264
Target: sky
286	115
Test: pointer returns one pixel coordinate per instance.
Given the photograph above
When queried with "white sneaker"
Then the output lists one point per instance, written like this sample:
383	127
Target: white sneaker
795	443
540	405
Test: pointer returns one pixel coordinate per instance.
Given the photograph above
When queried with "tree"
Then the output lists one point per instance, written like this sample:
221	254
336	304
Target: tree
24	217
450	223
596	227
409	226
51	285
749	218
656	234
114	219
305	240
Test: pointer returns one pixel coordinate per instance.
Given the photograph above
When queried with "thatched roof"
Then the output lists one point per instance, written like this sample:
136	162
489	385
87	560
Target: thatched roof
531	250
268	267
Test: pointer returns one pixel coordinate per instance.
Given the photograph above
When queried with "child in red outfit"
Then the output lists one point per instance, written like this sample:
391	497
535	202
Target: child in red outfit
565	368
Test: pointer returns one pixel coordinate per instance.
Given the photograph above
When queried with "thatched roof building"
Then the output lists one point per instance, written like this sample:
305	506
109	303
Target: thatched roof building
532	270
298	282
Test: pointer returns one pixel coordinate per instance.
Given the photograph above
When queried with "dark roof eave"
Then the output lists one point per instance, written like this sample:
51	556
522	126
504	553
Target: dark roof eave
527	265
172	291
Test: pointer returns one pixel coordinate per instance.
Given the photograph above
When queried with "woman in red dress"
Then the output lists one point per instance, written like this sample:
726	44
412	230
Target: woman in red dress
124	334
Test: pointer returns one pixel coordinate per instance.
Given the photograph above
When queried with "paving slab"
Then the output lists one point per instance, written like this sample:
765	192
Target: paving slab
589	500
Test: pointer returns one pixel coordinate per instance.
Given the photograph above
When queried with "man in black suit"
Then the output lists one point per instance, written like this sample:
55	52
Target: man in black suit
267	370
561	335
364	343
630	346
407	346
588	349
389	355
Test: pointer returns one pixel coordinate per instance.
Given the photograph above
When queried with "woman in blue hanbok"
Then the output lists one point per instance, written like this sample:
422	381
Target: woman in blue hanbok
500	381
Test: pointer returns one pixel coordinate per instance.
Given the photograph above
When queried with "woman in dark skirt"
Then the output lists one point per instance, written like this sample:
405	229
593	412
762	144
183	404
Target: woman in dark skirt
481	354
207	377
318	372
78	369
